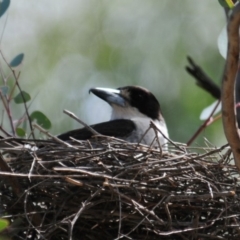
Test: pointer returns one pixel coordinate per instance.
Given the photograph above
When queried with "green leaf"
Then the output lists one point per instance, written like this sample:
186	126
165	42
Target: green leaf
4	90
226	3
41	119
20	132
4	6
17	60
19	99
3	224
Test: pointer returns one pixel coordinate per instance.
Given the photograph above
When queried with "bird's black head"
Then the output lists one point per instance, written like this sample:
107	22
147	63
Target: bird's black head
142	99
130	101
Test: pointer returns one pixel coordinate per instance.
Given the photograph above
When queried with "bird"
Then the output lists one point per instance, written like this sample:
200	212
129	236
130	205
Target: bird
133	109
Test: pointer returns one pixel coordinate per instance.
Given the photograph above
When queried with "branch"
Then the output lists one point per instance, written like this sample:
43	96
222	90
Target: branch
50	135
206	123
228	85
24	102
72	115
202	79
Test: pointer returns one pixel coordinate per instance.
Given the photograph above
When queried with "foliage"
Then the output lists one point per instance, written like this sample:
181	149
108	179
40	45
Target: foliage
7	94
101	53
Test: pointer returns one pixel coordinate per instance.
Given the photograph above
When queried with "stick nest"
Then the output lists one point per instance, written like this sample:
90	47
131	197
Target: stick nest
110	189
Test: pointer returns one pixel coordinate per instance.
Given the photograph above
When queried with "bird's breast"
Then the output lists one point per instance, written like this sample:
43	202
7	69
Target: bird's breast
146	135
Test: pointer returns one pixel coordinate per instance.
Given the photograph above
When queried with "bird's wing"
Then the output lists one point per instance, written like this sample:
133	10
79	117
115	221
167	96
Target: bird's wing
116	128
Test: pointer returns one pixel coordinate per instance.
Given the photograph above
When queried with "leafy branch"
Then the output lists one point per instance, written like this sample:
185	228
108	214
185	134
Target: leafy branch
7	95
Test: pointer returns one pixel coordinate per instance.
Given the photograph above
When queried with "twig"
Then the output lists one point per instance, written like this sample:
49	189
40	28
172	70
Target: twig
169	140
5	132
16	77
11	181
26	175
86	204
204	125
7	108
72	115
36	218
141	207
93	174
51	136
203	80
156	137
24	102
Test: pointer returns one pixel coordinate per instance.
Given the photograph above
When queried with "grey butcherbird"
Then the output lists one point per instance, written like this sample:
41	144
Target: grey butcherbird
133	108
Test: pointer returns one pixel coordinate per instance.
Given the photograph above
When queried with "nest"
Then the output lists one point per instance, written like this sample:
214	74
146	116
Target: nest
110	189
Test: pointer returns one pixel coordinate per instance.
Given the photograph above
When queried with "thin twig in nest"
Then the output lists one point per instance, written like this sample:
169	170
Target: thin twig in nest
121	189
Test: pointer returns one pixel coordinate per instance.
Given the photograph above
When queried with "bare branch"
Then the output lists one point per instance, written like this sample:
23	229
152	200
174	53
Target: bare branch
228	86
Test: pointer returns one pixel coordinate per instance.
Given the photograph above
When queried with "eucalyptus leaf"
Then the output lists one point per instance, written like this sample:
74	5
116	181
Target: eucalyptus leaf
19	99
41	119
20	132
226	3
4	4
17	60
208	110
222	42
3	224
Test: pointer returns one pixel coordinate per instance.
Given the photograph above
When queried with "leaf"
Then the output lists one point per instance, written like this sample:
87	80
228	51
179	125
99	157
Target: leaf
3	224
4	6
19	99
20	132
17	60
4	90
208	110
41	119
223	42
226	3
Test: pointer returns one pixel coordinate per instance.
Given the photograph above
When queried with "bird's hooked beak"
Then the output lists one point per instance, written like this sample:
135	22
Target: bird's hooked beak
111	96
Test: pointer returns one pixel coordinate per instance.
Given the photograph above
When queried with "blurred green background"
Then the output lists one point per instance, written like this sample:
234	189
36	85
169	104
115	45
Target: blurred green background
71	46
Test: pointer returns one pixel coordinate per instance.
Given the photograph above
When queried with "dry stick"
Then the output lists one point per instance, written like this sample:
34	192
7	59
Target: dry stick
23	117
5	132
26	175
152	124
5	102
150	146
24	102
157	139
17	188
51	136
3	99
202	79
93	174
140	207
36	219
85	205
228	84
201	197
6	106
72	115
25	105
13	182
204	125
